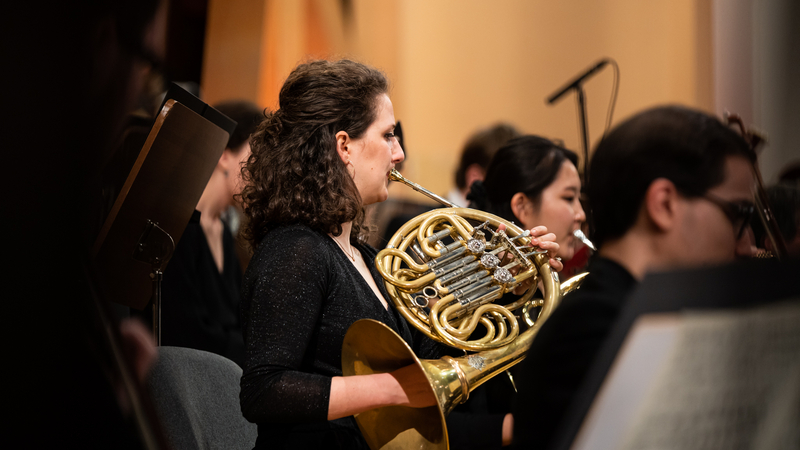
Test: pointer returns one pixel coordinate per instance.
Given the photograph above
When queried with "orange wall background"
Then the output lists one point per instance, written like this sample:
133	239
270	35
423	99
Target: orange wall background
460	65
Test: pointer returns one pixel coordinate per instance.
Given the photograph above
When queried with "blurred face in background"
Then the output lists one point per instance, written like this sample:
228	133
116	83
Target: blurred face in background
713	229
559	209
233	166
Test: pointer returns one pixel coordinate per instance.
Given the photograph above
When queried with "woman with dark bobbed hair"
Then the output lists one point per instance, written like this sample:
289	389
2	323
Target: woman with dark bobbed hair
532	181
316	162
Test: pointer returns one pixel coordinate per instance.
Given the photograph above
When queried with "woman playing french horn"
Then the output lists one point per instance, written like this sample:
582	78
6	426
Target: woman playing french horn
316	162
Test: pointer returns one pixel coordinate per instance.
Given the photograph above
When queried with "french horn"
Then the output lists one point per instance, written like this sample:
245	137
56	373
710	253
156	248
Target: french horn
445	271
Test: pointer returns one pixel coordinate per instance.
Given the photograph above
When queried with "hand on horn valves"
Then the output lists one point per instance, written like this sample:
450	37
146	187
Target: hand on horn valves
545	241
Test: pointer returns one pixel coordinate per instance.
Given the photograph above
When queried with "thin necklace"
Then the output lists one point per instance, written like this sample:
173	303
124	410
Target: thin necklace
352	257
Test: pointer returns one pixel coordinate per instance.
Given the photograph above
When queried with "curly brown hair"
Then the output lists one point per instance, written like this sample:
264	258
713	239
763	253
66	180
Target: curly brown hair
295	174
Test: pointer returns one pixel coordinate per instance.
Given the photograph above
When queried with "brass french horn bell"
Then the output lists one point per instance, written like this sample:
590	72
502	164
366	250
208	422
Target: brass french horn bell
445	271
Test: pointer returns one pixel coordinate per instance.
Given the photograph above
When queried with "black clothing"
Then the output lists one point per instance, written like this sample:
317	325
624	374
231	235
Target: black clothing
563	351
478	423
301	294
200	307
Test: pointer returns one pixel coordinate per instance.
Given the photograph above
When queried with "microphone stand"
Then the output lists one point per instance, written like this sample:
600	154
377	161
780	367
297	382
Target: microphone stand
584	131
577	85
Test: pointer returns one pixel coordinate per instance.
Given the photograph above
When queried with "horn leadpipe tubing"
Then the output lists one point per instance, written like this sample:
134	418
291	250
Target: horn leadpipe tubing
394	175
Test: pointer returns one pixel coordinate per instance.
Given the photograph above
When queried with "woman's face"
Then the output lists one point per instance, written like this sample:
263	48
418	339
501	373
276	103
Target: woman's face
559	210
374	155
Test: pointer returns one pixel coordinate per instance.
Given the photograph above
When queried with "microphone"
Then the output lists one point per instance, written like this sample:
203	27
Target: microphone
578	80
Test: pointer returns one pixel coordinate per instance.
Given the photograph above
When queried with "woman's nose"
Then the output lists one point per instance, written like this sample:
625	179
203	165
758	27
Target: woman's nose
398	155
580	214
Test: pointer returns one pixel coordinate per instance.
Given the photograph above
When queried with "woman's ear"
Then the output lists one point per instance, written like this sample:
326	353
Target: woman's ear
342	143
519	202
225	160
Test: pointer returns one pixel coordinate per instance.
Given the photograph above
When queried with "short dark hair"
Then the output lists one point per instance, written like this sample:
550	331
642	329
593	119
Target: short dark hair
247	116
526	164
481	147
685	146
295	174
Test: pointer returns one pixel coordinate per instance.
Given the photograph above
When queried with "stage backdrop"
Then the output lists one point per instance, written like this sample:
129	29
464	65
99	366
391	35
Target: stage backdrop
460	65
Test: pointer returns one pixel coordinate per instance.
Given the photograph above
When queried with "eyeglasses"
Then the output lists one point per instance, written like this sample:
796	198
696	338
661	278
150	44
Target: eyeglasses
739	213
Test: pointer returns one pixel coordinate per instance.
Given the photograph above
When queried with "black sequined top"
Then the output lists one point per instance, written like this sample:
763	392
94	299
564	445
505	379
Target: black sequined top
300	295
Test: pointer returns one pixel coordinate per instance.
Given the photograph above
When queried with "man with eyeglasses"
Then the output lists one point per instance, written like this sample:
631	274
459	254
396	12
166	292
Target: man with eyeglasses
669	188
74	72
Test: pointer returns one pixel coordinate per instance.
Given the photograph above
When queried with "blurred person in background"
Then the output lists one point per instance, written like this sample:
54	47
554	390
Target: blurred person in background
530	181
669	188
87	63
475	157
202	283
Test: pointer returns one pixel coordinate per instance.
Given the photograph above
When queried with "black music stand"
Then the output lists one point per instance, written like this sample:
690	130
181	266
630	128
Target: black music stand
633	362
157	200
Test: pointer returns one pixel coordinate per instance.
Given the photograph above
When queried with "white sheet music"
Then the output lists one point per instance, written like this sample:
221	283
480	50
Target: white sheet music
703	380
